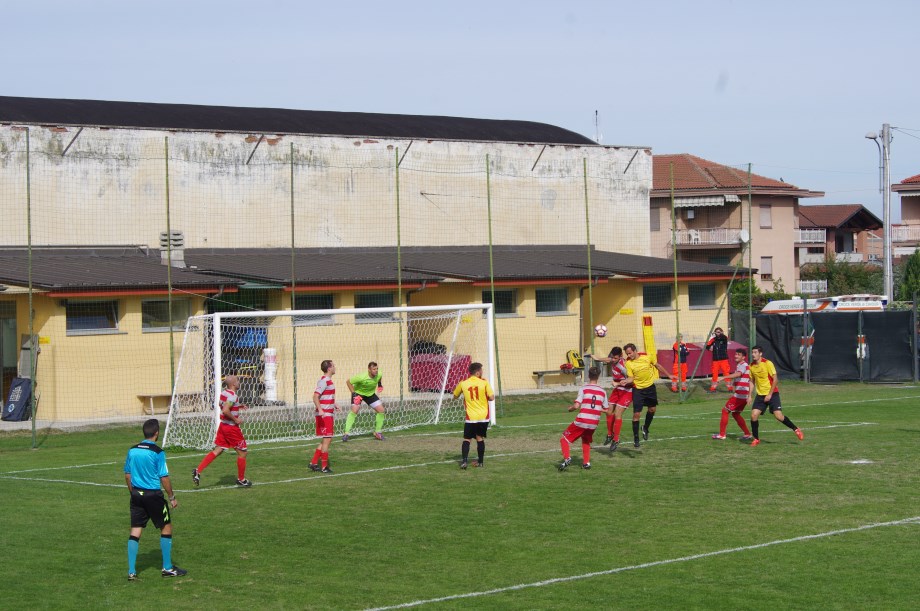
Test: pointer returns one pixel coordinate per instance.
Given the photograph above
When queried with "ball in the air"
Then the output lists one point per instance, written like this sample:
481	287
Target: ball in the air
600	330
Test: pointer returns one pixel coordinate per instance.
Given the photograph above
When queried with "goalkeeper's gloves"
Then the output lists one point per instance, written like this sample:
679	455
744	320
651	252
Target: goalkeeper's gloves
355	399
380	389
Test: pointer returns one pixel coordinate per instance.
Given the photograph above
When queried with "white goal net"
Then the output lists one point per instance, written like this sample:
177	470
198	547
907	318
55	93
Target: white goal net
421	351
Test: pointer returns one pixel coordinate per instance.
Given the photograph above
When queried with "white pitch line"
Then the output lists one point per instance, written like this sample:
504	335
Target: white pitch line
646	565
319	478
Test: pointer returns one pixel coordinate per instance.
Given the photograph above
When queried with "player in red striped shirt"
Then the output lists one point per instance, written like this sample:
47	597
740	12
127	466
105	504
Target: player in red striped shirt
620	397
591	402
229	436
324	400
737	402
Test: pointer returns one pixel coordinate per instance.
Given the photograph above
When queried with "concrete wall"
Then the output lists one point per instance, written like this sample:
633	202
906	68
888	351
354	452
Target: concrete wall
231	190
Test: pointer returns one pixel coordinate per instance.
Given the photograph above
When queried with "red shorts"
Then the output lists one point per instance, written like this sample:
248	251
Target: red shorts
621	397
230	437
574	431
734	404
324	425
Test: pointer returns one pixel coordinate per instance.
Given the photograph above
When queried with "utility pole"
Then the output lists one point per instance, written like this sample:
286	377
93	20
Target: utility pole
884	187
886	207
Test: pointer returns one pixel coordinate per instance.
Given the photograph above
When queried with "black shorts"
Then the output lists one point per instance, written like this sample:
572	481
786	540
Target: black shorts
149	505
370	400
761	405
475	429
644	397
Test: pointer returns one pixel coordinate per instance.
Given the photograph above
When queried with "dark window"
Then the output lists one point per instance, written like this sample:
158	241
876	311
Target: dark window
656	297
374	300
702	294
505	301
654	218
314	301
553	301
92	316
155	314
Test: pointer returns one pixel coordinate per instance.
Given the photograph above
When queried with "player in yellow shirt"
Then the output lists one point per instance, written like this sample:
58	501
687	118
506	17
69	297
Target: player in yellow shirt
642	375
477	393
766	391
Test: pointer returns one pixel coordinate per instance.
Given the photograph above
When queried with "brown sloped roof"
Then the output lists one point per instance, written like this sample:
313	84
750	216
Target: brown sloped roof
355	266
122	268
908	185
835	216
695	175
147	115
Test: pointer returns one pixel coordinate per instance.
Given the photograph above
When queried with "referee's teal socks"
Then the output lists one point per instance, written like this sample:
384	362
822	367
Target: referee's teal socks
166	548
132	554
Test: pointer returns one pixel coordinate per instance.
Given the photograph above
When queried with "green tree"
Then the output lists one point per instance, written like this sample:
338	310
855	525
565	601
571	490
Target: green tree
845	278
910	278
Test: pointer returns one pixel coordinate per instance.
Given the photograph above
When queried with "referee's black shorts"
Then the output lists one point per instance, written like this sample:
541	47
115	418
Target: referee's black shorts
148	505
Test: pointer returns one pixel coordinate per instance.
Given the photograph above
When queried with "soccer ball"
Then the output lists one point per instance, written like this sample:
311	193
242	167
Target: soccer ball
600	330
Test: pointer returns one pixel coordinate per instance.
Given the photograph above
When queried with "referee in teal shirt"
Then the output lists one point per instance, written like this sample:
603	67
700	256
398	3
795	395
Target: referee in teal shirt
145	473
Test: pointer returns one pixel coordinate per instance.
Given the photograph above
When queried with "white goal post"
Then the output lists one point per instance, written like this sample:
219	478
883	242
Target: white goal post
422	352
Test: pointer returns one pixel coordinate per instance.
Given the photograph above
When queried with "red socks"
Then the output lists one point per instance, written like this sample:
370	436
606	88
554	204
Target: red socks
586	451
617	425
610	425
207	460
565	448
723	423
316	456
240	467
325	458
740	420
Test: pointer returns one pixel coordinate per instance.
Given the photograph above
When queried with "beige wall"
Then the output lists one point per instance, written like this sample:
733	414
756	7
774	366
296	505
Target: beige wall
110	188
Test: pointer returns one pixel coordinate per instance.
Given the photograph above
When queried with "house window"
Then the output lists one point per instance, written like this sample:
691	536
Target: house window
552	301
88	317
374	300
314	301
766	268
657	297
505	301
720	260
766	216
155	314
702	295
654	218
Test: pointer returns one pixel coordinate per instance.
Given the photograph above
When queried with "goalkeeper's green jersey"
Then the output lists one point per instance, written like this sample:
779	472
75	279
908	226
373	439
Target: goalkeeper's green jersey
365	385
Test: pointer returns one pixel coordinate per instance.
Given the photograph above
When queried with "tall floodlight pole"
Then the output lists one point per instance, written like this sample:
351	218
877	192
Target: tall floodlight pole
884	187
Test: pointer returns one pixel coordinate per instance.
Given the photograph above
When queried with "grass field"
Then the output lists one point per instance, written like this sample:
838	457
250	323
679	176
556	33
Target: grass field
686	522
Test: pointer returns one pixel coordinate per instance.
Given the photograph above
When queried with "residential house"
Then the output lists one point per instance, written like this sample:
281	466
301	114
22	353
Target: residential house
717	209
848	237
905	237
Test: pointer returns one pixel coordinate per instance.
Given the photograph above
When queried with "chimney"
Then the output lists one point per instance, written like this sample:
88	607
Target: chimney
172	240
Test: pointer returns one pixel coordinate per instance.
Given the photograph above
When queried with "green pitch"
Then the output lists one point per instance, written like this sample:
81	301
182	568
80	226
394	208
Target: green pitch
686	522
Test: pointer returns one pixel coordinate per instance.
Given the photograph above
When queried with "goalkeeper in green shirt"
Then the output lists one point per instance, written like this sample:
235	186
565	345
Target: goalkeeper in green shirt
364	388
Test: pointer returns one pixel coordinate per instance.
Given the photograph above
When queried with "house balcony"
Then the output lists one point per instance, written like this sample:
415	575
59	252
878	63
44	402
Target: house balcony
811	257
708	237
812	287
849	257
901	234
810	236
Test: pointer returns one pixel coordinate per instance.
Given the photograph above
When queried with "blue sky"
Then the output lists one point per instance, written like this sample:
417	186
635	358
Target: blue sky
791	87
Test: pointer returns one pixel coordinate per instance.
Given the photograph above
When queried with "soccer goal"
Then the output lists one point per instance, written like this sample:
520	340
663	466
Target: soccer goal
421	351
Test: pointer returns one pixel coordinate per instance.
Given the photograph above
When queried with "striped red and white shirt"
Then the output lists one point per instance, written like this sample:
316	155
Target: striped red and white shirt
619	374
742	384
229	396
593	402
325	388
